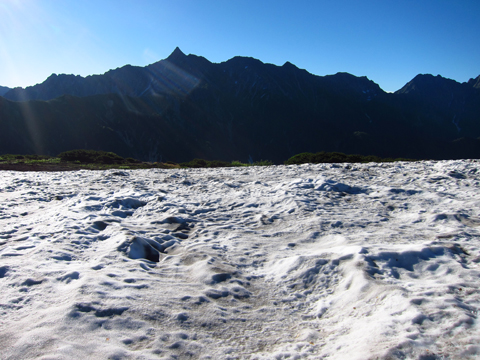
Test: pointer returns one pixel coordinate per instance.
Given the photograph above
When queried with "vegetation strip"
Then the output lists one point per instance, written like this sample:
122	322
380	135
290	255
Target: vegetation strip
100	160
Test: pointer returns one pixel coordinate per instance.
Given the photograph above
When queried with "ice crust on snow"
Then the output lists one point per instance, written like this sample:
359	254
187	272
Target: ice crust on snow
359	261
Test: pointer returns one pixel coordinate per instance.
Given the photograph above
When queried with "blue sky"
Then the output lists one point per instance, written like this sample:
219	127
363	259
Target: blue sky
389	41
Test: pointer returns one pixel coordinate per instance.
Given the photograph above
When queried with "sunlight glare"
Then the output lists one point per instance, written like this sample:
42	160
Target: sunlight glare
21	23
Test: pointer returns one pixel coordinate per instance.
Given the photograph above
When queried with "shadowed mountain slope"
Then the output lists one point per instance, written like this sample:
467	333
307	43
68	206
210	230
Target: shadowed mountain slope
4	90
185	107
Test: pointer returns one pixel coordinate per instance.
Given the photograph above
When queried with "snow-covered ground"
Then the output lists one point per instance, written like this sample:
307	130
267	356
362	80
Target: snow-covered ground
359	261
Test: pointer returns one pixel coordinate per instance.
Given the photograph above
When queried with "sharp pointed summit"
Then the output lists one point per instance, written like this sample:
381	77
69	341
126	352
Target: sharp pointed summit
176	55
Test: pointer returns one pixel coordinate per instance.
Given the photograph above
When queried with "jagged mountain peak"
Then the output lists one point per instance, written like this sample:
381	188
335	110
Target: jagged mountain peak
288	64
358	84
54	77
475	83
243	61
427	83
345	76
194	65
176	55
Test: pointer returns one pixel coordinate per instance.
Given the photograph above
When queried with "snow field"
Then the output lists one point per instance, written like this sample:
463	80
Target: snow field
334	261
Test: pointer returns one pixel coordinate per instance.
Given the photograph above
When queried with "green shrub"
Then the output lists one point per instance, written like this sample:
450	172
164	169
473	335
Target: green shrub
28	159
238	163
335	157
37	157
218	163
200	163
91	157
132	160
372	158
302	158
263	163
195	163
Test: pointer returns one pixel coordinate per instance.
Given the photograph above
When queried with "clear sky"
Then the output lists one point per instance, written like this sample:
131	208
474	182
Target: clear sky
389	41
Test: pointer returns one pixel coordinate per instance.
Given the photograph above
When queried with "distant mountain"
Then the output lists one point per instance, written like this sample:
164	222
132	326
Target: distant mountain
444	102
185	107
162	77
3	90
180	74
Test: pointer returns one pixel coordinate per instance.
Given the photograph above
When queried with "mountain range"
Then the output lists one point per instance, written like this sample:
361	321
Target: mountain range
186	107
